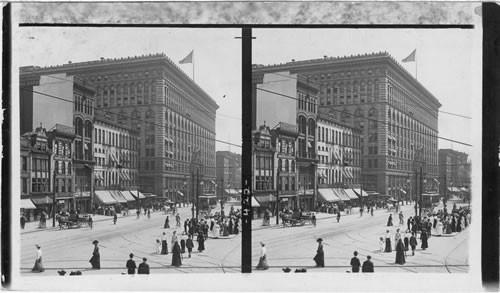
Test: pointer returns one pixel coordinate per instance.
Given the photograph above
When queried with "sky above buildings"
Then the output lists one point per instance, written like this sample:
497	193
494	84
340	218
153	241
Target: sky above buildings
448	63
217	59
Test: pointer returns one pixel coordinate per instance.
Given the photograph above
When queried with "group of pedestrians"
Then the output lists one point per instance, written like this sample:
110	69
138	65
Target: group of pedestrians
356	264
143	268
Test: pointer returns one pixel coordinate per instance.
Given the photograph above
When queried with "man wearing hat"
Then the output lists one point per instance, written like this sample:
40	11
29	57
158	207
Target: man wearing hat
367	265
320	254
143	267
96	257
131	265
355	263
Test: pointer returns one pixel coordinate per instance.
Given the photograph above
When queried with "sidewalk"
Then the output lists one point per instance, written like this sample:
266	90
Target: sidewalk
31	227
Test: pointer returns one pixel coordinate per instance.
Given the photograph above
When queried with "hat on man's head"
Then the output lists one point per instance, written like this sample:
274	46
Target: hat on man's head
37	246
131	255
95	242
319	240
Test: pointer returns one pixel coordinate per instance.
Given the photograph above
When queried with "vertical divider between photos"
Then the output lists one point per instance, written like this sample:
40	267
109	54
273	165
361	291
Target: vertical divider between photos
6	200
246	153
491	146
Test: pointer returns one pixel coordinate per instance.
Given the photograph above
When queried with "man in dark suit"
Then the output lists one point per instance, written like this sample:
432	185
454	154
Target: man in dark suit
355	263
143	267
131	265
367	265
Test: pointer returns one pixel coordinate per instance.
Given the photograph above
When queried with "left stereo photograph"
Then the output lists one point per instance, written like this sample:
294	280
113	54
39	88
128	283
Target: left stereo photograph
129	145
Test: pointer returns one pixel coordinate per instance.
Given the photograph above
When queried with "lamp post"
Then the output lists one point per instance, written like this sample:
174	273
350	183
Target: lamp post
277	196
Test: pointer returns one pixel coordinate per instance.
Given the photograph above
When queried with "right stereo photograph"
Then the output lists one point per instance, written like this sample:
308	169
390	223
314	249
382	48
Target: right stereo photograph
364	149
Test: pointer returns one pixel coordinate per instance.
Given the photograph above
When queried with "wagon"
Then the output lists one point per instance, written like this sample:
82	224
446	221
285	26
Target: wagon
70	222
296	219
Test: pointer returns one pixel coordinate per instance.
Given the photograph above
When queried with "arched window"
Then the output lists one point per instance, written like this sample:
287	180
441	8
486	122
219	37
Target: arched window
359	112
79	126
88	128
312	127
302	124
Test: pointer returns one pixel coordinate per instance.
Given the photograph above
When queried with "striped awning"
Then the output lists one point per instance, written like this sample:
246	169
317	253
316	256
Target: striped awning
264	198
350	193
138	194
341	194
27	204
118	196
328	195
360	191
105	197
127	195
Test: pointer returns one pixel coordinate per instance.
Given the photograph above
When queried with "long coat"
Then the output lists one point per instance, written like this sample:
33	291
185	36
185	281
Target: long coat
400	253
423	237
95	260
319	258
176	255
201	241
389	220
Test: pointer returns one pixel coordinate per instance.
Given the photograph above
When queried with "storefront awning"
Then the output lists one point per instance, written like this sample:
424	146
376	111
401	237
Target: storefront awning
231	191
118	196
27	204
351	194
430	194
42	200
149	195
255	203
137	194
328	195
105	197
265	198
341	194
372	193
360	192
127	195
287	195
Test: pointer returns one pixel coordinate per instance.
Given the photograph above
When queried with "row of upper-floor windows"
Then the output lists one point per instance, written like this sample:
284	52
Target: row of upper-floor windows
307	103
325	77
338	137
83	128
111	138
84	105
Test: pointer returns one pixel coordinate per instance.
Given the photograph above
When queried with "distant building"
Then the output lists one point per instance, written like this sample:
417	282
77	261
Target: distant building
374	93
454	171
174	117
228	166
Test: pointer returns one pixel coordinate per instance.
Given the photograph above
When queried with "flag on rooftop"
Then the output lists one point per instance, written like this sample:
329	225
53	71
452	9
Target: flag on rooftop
410	57
188	58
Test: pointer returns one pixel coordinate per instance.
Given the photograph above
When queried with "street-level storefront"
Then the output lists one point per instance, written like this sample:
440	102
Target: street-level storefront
306	200
28	209
329	200
288	201
106	202
82	201
43	203
267	201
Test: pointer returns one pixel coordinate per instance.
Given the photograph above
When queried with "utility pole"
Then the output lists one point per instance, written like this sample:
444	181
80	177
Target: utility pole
192	191
277	196
198	190
421	191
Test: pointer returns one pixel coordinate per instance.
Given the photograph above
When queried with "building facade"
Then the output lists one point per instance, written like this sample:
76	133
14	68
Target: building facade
339	151
174	117
454	171
264	170
228	170
66	99
395	112
290	102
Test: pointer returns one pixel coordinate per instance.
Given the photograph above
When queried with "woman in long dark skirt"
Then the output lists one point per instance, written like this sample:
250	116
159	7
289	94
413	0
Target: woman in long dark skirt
167	223
459	224
407	241
230	227
183	243
201	241
95	260
235	228
164	245
389	221
388	245
319	258
423	237
176	255
400	253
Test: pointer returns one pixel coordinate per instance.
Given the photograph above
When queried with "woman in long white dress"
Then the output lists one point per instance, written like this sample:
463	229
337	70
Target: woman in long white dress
216	230
263	258
439	228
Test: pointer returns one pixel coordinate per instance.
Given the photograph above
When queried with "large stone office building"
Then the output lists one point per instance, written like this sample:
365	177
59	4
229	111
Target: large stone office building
396	114
174	117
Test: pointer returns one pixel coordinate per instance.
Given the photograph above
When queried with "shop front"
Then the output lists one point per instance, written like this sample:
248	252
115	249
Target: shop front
329	200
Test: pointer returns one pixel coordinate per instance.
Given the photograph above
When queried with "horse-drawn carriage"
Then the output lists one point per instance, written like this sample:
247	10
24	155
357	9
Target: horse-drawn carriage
73	221
296	219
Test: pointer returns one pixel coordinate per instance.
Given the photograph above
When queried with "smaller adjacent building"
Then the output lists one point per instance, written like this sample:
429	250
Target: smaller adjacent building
116	165
36	169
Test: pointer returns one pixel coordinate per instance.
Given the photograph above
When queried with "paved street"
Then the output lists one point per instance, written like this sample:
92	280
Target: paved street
71	249
295	247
